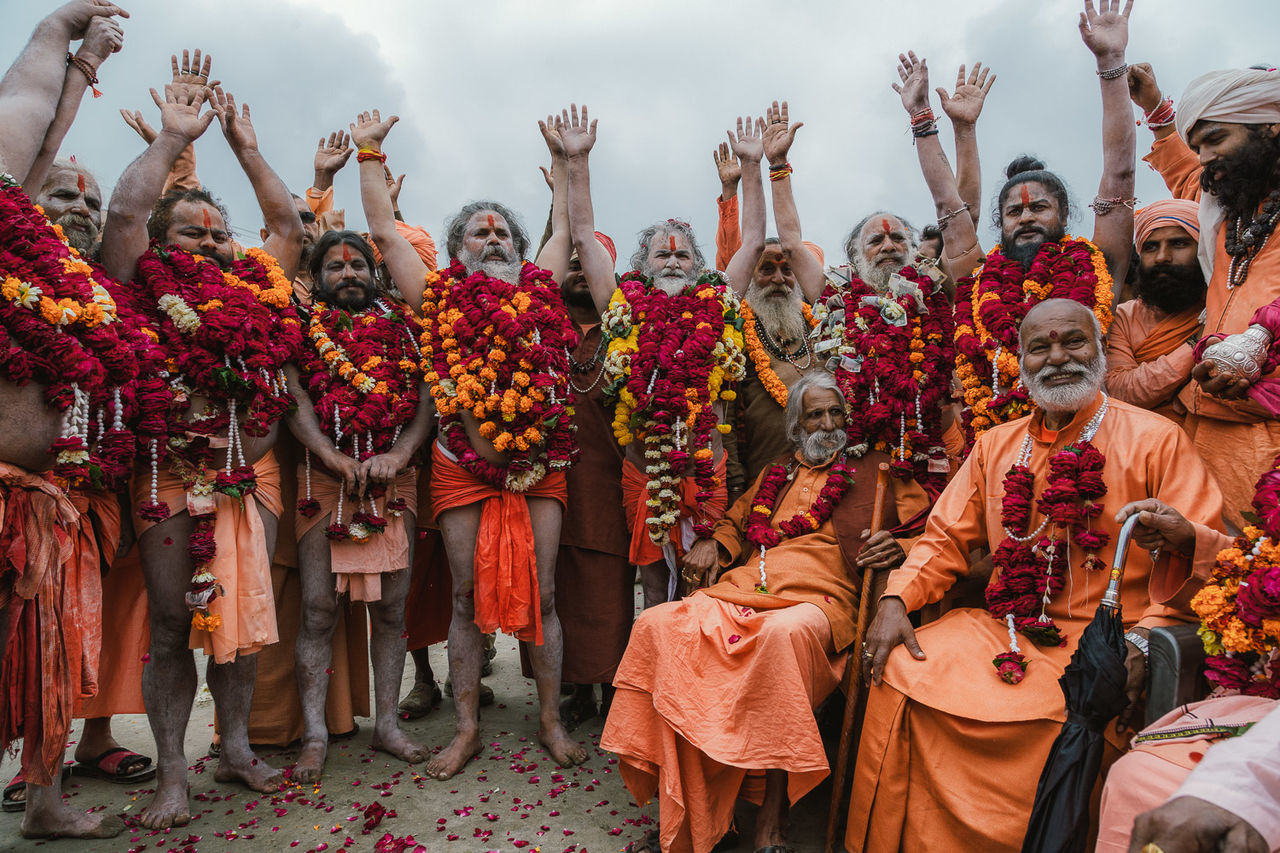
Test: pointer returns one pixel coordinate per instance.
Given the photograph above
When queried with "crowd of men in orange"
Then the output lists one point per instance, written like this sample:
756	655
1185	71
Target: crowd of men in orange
316	455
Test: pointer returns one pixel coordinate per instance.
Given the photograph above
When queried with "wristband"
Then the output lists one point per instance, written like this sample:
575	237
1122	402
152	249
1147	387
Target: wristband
1112	73
88	71
370	154
1139	641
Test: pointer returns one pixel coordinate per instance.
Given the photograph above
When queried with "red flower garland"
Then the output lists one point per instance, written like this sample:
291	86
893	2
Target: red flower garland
759	530
499	352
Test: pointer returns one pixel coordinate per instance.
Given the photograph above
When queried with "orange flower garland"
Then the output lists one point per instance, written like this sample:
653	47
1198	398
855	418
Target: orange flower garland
760	359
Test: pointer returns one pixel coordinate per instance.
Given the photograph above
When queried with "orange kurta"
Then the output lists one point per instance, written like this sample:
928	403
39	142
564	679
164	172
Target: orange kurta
939	730
1148	357
1224	429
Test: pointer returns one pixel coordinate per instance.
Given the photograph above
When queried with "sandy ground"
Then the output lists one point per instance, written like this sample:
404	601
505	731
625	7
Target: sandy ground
510	798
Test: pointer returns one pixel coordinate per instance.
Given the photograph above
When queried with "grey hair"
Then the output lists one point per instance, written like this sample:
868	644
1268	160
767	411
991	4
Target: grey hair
641	256
820	379
851	248
456	226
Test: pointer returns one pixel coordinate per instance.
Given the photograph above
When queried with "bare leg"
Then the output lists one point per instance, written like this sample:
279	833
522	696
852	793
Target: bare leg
387	643
232	687
459	528
770	820
313	652
169	676
654	578
545	514
48	815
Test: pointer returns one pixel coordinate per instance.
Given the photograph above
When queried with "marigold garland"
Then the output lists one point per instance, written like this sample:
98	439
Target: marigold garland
989	309
893	355
760	358
497	351
669	360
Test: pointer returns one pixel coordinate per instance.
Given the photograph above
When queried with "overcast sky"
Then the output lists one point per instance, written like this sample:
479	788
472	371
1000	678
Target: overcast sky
665	78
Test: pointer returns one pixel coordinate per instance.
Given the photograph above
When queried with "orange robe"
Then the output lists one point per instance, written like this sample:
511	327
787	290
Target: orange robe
728	231
725	681
939	732
1237	438
643	551
504	568
126	641
428	608
95	542
38	526
1148	357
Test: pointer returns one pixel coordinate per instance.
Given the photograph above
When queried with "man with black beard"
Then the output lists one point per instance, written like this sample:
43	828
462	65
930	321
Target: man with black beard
1151	344
370	565
1226	155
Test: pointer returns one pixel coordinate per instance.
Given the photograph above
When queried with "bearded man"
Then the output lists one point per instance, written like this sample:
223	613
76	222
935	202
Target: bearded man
990	676
207	518
1226	154
494	344
773	631
1151	344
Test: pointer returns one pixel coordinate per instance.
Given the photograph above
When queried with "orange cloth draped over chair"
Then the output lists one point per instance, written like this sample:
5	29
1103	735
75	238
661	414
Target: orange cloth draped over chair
505	569
37	537
241	565
634	493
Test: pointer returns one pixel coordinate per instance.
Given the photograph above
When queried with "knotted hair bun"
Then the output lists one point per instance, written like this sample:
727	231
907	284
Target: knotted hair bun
1023	163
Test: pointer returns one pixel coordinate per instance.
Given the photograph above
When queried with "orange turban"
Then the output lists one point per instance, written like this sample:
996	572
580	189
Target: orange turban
1161	214
604	240
817	252
418	238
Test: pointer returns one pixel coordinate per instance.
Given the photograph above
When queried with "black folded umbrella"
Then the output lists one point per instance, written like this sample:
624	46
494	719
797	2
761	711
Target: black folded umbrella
1093	685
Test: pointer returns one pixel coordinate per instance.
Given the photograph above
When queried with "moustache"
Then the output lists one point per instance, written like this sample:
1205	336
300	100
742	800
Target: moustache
1047	373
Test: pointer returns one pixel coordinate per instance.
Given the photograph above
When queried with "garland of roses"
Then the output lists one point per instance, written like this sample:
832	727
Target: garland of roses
989	309
225	335
669	359
362	373
903	376
1032	568
60	327
499	351
760	358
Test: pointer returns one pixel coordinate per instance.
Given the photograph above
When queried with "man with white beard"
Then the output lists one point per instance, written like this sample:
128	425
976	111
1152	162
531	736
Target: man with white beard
1046	494
880	245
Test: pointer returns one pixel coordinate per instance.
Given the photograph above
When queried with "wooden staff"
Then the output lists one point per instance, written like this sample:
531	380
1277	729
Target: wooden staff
853	674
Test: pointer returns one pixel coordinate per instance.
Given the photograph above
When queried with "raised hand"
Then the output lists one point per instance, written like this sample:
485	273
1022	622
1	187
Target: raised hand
748	144
727	165
181	116
78	14
104	37
965	105
577	132
236	127
134	119
394	185
1106	30
191	78
369	130
779	133
551	136
333	154
1143	89
914	88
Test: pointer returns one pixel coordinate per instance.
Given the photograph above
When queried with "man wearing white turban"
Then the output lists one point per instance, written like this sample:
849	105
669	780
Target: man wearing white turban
1226	155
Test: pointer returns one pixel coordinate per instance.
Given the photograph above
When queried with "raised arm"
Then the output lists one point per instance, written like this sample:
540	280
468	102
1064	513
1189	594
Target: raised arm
331	156
553	255
963	108
728	230
279	212
579	136
31	88
406	267
1106	33
779	133
960	237
748	145
103	38
124	234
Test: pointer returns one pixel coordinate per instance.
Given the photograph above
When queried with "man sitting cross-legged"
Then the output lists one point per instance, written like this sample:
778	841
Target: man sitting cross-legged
725	681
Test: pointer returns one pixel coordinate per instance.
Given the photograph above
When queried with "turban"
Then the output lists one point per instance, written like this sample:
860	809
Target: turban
1163	213
419	239
604	240
1235	97
817	252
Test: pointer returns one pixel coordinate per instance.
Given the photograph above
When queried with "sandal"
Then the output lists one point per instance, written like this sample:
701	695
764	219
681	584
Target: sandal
16	784
648	843
114	766
420	701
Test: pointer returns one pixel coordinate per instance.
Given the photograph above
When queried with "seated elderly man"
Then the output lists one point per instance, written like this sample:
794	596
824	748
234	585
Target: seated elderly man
746	660
960	721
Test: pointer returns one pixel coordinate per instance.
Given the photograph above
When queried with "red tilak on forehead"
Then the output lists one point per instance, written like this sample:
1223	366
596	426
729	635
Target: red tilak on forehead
1026	195
671	241
80	181
346	253
1053	334
208	223
884	225
492	224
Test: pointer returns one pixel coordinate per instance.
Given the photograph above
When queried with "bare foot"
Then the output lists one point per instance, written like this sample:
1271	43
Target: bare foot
564	749
310	762
169	807
253	773
463	747
397	743
63	822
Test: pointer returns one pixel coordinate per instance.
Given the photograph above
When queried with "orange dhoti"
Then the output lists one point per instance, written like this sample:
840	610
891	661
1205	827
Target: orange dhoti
126	640
38	526
634	493
709	690
242	565
504	568
358	566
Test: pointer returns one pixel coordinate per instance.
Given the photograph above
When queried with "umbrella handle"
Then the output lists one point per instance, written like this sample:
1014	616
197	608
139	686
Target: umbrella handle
1111	600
